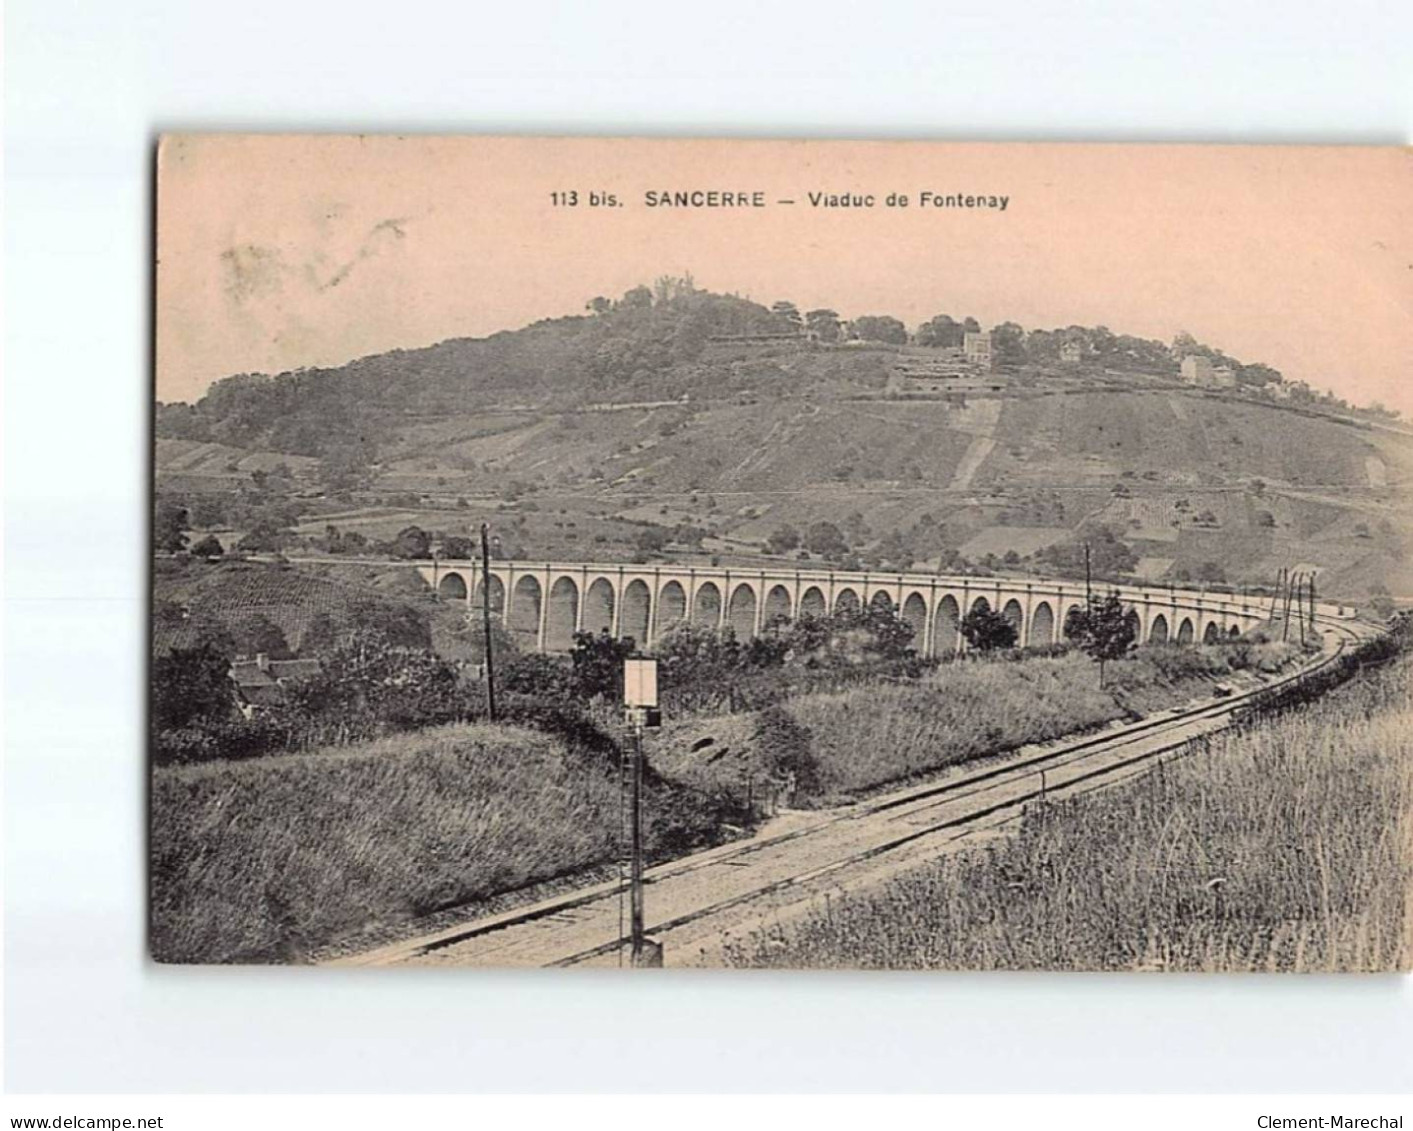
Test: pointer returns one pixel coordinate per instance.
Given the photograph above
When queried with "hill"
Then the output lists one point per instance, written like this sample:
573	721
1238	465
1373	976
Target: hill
711	423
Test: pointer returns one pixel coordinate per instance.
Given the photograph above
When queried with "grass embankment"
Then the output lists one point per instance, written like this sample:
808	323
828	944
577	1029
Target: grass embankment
841	745
269	859
1287	845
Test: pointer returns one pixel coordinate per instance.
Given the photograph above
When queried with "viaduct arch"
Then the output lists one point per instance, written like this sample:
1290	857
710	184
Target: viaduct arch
544	603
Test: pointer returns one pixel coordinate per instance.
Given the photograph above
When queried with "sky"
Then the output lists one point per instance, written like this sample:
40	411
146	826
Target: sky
282	252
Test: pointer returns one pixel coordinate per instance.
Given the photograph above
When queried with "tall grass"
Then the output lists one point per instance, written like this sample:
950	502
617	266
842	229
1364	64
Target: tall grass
864	737
1287	845
868	736
271	858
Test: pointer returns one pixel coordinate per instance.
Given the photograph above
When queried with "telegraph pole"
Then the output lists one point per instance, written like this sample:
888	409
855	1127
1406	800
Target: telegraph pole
1088	594
486	619
635	820
640	705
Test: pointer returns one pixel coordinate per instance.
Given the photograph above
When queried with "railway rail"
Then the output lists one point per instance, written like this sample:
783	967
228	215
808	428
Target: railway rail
698	899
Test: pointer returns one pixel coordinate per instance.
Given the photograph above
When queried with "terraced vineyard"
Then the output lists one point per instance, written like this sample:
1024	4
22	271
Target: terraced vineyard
292	598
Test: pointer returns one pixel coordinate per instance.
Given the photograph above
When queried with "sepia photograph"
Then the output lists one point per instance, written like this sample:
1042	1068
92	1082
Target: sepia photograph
885	555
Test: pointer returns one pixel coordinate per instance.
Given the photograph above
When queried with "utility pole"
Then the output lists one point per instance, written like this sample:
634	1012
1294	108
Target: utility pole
486	619
1300	606
1088	594
635	821
640	705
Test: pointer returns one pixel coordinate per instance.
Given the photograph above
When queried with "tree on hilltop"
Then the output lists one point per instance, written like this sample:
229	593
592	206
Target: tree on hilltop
668	288
824	324
880	328
945	331
1008	340
789	312
940	331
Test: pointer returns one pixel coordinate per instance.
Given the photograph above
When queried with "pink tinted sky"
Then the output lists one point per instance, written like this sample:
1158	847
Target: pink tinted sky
282	252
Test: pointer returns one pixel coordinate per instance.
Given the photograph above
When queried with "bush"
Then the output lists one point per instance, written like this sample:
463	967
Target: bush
226	740
787	748
208	547
986	630
537	675
191	687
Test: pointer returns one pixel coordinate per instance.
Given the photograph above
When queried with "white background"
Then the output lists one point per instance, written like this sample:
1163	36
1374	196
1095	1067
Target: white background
88	85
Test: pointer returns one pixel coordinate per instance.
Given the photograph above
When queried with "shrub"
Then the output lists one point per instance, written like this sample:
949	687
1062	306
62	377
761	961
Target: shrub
537	675
986	630
208	547
787	748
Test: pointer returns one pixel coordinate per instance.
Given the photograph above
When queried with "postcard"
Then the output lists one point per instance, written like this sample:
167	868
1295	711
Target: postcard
636	553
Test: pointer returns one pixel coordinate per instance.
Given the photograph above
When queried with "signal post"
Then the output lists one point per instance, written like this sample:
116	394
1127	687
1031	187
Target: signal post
640	712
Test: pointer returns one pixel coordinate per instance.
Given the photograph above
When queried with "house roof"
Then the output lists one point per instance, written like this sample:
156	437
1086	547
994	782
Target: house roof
248	674
295	669
264	688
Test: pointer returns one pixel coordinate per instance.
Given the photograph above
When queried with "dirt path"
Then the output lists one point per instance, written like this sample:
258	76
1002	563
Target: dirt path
982	422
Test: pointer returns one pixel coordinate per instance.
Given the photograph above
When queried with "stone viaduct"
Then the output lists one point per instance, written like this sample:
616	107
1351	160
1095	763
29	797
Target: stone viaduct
544	603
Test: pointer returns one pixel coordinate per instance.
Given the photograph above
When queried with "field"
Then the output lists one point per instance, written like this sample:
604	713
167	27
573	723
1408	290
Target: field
270	859
843	744
289	597
567	483
1287	846
218	465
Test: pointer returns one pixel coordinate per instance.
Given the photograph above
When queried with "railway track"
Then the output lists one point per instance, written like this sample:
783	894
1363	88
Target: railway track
697	900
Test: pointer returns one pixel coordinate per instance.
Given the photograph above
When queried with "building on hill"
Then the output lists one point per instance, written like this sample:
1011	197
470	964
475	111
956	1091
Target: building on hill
259	684
1072	351
977	348
1201	372
1198	370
